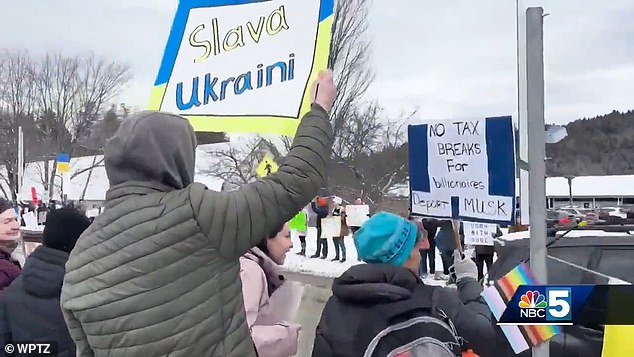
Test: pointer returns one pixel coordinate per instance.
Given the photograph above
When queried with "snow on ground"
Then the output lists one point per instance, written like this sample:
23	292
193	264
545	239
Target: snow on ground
319	267
326	268
572	234
591	233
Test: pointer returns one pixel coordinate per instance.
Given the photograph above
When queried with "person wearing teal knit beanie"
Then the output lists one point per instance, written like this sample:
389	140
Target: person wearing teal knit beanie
386	238
370	301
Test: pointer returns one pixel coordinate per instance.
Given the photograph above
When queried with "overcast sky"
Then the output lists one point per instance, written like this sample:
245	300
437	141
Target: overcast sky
446	59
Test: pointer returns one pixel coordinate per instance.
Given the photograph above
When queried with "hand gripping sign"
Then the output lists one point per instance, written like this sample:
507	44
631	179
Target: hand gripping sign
243	65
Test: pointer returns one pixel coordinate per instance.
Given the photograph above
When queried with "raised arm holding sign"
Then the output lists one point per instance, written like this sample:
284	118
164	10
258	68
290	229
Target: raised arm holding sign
244	66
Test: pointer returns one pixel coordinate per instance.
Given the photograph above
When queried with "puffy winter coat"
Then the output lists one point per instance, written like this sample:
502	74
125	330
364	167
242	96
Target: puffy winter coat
260	278
9	269
158	272
29	308
321	212
351	310
341	212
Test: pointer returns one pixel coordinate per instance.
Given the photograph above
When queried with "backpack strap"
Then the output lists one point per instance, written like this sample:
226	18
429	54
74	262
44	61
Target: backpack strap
441	314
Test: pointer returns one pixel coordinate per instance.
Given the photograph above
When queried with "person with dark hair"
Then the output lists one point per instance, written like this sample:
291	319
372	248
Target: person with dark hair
446	244
303	233
9	234
260	279
158	273
320	207
339	241
485	254
383	308
29	308
429	254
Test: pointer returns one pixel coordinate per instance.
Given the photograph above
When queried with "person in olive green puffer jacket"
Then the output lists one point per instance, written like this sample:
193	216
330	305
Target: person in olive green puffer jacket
158	272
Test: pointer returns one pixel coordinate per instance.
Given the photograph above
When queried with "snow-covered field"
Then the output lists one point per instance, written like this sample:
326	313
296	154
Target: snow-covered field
324	267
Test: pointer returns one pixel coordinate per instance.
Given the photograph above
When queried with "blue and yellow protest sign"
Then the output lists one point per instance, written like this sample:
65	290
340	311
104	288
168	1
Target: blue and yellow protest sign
243	65
63	162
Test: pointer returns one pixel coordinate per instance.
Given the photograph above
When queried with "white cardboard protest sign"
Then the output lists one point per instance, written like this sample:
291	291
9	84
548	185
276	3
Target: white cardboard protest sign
478	233
243	66
92	212
283	304
463	169
330	227
30	221
357	215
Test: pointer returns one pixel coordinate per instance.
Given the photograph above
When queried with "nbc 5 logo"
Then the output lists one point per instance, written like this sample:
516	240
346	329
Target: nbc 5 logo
559	300
552	306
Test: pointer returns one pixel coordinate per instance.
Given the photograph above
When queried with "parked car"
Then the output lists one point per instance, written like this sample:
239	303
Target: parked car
613	215
592	218
612	256
553	218
616	212
578	214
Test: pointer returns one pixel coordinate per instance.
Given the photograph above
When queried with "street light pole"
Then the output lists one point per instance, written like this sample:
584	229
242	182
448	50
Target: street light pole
570	178
536	150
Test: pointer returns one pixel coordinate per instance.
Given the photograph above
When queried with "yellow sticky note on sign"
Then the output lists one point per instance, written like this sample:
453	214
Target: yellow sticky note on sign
617	341
266	167
244	67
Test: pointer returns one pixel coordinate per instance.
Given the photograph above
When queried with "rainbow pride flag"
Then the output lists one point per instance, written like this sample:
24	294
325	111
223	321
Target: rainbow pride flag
497	297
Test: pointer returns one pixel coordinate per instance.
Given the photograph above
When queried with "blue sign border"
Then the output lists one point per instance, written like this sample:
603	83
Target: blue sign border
500	143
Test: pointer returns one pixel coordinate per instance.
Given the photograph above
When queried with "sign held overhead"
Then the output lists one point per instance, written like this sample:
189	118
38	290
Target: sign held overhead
463	169
243	66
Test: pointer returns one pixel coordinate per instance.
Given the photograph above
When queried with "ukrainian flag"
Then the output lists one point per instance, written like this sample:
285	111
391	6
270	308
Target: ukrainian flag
63	162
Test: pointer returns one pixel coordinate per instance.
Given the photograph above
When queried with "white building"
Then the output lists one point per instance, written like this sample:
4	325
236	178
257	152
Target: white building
587	191
591	191
91	187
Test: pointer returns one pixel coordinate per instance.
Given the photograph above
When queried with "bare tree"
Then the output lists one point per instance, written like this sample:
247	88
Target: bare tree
373	156
71	94
236	166
349	58
16	107
356	121
359	134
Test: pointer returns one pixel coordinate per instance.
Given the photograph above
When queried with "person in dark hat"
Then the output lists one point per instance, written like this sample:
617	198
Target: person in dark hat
30	307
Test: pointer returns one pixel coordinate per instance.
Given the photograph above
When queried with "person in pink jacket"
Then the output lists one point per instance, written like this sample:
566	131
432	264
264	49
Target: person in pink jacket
260	278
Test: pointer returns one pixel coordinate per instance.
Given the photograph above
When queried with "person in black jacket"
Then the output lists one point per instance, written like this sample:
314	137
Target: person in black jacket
321	209
30	308
388	289
484	255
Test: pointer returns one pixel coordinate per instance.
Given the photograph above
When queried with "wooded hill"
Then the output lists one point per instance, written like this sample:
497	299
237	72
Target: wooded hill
603	145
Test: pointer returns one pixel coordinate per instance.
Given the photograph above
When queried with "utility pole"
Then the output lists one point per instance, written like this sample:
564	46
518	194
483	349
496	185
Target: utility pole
536	150
20	171
570	178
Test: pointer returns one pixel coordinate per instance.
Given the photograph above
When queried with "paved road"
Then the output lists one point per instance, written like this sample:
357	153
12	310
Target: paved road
316	293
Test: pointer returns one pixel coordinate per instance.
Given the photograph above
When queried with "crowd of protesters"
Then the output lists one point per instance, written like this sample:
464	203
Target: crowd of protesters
172	268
